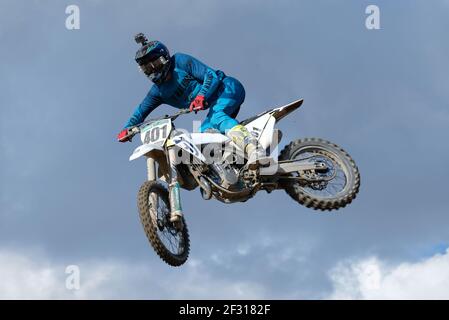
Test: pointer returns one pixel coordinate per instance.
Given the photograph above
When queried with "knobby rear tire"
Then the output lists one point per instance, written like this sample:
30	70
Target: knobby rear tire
298	193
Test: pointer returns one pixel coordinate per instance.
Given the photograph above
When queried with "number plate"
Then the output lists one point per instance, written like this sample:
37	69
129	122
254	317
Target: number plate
156	132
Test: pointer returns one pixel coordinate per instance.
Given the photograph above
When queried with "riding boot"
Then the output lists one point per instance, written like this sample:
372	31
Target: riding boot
255	154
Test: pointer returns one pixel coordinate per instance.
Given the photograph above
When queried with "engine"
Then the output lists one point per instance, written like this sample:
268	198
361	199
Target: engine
225	175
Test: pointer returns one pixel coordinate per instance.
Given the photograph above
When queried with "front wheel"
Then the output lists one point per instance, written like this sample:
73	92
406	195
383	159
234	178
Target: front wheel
170	243
330	189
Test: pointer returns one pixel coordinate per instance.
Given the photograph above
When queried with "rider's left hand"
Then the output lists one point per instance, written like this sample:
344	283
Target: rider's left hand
198	103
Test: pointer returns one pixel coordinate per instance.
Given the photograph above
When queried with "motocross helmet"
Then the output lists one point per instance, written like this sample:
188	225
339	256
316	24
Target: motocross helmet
153	58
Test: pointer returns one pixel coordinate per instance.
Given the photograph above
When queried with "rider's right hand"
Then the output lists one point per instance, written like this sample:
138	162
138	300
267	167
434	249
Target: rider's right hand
124	135
198	103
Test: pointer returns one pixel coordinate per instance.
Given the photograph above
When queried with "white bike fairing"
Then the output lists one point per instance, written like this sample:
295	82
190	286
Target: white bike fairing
262	129
155	134
200	138
184	141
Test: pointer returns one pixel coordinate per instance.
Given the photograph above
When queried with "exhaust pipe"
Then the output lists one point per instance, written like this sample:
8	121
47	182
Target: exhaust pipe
205	188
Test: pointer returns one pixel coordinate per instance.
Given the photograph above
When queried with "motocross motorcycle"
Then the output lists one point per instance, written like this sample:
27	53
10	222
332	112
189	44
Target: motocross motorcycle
316	173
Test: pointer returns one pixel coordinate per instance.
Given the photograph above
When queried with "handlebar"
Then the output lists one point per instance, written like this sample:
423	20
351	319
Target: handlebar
136	129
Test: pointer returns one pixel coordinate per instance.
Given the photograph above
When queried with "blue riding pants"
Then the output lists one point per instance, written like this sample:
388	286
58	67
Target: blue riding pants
225	107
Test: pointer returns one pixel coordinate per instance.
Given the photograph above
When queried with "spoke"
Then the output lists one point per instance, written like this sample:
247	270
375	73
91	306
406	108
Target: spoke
172	245
164	234
169	243
336	190
336	173
341	184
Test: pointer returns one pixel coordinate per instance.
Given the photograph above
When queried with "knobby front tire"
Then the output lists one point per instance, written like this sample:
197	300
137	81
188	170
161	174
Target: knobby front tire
170	244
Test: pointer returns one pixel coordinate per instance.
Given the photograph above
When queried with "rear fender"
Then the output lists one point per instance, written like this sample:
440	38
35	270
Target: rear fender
283	111
262	127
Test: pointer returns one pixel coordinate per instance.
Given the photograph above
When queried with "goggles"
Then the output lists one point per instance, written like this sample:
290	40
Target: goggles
152	68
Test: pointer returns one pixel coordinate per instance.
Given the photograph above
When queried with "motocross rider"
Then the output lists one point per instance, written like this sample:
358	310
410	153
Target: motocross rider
182	81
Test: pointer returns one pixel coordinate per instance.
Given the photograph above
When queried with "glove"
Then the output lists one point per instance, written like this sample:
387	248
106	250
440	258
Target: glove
123	136
198	103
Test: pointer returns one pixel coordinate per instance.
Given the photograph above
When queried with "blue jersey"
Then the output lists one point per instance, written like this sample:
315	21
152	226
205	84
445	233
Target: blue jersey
189	78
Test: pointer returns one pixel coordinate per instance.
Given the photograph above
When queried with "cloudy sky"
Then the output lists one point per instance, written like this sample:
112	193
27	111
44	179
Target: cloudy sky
68	192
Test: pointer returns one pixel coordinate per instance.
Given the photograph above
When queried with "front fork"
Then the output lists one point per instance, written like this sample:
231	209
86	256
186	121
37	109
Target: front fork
174	189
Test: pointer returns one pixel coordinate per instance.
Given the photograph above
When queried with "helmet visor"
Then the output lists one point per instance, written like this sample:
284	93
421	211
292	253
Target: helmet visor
154	67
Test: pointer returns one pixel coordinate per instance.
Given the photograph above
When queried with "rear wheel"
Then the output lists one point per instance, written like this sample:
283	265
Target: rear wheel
171	244
328	189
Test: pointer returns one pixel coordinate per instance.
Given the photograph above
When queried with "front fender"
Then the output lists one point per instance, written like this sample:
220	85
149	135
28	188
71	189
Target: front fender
144	149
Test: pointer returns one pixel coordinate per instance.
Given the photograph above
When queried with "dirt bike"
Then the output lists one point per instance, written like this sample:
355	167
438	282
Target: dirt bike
316	173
